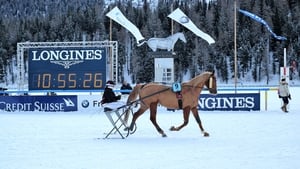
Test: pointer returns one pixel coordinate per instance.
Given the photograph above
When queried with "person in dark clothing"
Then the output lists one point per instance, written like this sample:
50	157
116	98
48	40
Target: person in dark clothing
112	102
2	91
109	96
126	86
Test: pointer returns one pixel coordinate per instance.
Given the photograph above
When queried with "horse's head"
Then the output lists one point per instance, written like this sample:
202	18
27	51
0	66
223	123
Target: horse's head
207	79
181	37
211	83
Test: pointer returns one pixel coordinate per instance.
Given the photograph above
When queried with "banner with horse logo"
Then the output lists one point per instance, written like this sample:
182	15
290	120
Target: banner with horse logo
182	19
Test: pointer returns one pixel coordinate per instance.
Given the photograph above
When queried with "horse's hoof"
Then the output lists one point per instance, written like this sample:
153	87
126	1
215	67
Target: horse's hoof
164	135
131	127
173	128
205	134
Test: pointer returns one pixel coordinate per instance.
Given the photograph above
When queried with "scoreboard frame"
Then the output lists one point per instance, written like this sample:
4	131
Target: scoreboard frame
74	76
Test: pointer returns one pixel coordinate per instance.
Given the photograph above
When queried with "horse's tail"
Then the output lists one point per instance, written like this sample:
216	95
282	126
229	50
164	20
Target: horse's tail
134	94
141	42
132	99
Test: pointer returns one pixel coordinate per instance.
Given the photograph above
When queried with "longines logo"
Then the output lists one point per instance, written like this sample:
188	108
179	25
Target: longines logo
67	58
228	101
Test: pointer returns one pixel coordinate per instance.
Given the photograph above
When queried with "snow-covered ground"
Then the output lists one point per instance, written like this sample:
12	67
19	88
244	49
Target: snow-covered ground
70	140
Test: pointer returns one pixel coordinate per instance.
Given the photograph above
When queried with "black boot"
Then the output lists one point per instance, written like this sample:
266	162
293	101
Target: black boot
283	108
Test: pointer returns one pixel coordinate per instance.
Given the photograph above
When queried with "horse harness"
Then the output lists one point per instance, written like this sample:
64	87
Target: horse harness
176	88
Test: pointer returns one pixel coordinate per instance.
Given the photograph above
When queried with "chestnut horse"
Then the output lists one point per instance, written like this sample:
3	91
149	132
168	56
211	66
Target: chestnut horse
152	94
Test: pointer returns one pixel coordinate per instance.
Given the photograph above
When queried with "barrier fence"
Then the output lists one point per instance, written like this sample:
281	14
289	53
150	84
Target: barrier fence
227	99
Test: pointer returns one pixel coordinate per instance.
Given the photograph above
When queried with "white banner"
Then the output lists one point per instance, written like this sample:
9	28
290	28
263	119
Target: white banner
116	15
182	19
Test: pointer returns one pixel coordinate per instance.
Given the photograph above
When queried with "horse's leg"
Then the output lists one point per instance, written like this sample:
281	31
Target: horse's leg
153	112
153	48
197	118
186	115
171	47
135	116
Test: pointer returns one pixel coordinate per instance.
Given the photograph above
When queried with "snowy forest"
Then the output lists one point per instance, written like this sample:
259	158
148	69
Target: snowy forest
259	54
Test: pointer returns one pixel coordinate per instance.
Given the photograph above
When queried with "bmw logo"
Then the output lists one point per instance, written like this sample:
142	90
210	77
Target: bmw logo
184	19
85	103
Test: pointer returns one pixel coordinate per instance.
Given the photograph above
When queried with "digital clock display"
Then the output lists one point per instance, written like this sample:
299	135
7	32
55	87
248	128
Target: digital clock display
80	68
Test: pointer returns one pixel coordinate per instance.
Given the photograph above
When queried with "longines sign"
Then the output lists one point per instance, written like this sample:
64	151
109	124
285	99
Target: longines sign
230	102
67	68
67	56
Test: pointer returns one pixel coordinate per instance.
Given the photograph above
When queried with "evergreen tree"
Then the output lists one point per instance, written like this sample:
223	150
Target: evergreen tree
60	20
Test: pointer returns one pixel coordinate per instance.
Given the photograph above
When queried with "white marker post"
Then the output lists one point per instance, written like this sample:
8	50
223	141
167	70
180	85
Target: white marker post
284	71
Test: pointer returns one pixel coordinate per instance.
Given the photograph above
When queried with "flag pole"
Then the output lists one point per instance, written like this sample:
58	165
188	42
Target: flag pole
235	50
172	23
110	51
172	26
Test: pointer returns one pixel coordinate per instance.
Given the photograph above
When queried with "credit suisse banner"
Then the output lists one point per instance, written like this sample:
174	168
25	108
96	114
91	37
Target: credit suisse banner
230	102
39	103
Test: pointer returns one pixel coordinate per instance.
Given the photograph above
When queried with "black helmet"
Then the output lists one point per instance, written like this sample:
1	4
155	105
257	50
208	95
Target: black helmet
110	83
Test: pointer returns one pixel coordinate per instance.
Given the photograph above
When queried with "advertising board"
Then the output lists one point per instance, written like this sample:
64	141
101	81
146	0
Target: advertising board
230	102
39	103
67	68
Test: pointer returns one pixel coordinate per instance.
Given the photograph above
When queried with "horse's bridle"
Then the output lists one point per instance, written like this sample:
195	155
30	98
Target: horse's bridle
210	82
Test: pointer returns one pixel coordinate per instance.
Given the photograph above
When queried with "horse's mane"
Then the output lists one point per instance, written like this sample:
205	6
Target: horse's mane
168	37
199	78
177	33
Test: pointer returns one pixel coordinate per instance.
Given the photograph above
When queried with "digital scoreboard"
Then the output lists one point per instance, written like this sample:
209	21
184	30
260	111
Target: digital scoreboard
67	68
